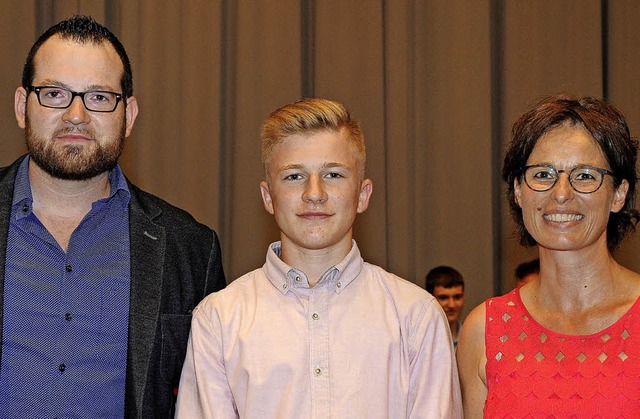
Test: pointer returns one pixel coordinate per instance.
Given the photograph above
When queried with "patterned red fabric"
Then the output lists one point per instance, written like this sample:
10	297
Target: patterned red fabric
533	372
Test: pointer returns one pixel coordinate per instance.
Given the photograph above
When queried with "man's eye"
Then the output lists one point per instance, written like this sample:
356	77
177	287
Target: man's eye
293	176
98	97
54	94
334	175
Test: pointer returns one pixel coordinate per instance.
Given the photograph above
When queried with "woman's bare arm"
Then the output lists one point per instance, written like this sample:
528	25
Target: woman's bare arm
471	363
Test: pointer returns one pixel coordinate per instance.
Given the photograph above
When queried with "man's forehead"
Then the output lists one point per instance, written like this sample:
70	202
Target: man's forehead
64	56
58	45
456	289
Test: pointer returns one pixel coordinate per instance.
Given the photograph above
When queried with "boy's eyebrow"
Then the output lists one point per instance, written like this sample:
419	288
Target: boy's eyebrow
334	164
296	166
290	167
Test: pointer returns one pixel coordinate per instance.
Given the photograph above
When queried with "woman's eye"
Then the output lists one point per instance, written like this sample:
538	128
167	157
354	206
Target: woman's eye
584	176
544	175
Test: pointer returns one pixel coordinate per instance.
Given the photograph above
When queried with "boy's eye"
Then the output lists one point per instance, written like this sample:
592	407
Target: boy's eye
334	175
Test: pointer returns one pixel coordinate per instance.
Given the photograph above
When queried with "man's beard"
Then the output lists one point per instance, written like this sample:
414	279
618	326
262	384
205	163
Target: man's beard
74	161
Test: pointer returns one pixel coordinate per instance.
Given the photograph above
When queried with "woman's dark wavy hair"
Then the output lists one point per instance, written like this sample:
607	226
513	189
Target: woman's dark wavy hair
81	29
608	128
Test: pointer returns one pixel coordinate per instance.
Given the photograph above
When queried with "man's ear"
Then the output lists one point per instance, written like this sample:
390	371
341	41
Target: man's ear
266	197
20	106
131	113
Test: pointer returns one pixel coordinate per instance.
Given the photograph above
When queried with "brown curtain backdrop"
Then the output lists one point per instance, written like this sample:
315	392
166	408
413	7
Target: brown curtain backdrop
436	84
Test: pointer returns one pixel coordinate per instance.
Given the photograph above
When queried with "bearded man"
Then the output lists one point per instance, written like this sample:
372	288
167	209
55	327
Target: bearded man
97	278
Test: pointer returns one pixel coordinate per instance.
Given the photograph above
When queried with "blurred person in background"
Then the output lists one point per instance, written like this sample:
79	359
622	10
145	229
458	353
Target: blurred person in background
447	285
527	272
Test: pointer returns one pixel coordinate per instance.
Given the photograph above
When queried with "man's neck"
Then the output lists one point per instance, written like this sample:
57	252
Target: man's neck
454	328
61	204
72	194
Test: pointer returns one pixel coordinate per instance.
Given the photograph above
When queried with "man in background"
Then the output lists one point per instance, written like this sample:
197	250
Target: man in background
447	285
527	272
97	278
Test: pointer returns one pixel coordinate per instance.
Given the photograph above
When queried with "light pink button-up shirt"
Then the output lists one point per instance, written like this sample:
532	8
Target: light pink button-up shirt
362	343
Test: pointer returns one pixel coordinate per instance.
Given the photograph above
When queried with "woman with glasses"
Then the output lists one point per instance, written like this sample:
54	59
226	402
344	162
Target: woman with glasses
567	344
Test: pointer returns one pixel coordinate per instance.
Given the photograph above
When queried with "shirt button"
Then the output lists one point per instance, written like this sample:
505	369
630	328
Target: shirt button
67	317
315	316
317	371
25	208
68	268
339	285
298	279
62	367
284	286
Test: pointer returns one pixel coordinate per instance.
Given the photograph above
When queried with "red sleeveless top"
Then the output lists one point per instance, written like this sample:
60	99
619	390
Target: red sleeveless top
533	372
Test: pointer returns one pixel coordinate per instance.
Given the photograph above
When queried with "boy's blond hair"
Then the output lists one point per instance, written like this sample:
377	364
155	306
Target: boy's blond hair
310	116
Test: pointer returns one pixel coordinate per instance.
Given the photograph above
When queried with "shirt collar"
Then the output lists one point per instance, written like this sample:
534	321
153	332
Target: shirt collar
284	277
23	199
22	191
119	185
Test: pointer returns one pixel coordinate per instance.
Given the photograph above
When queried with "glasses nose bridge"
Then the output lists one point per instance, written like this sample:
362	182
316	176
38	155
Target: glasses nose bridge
80	95
76	113
566	172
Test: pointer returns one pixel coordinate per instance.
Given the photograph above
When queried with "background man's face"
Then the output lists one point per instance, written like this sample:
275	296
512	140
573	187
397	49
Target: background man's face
451	300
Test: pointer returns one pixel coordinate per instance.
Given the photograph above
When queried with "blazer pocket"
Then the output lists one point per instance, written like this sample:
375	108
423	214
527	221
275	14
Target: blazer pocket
175	335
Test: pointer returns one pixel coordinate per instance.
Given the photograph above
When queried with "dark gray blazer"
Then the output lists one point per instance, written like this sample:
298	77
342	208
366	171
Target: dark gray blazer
175	262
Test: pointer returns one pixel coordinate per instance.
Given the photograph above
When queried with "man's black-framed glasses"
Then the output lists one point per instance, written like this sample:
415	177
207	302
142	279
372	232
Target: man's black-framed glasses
584	179
60	98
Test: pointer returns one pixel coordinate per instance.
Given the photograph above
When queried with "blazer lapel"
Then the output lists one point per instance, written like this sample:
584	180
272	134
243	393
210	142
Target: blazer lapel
147	243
